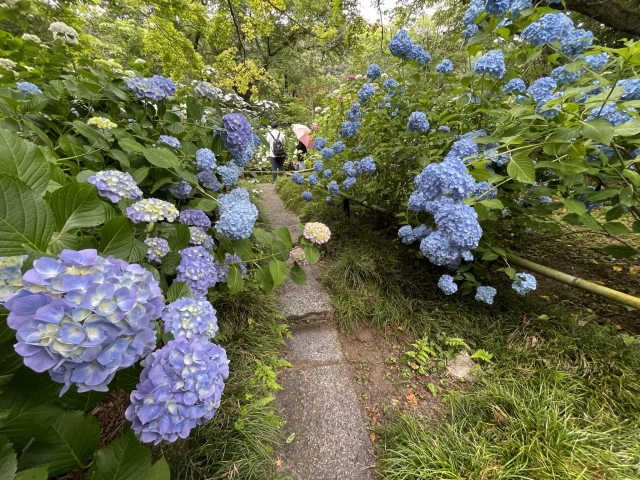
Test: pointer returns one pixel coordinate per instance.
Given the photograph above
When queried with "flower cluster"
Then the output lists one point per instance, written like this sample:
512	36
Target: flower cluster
445	66
576	42
317	165
297	178
327	153
82	317
327	173
205	160
180	388
195	218
597	62
307	196
157	248
447	285
10	276
497	7
101	123
418	122
297	255
470	31
197	236
27	37
401	45
610	112
333	187
561	75
354	113
338	147
514	85
374	71
170	141
238	135
348	183
366	166
156	88
209	180
190	318
29	88
197	270
492	63
349	129
366	92
551	27
409	235
631	90
205	89
223	270
319	143
62	31
316	232
229	174
389	84
313	179
237	215
152	210
542	88
486	294
115	185
526	283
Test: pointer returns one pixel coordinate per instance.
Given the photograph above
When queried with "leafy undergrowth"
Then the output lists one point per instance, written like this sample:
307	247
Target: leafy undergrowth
560	400
238	442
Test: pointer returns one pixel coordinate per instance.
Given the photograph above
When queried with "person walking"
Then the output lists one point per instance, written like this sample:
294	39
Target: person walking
301	150
276	150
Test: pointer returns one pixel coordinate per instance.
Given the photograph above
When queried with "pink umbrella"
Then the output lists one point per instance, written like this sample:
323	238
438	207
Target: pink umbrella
302	132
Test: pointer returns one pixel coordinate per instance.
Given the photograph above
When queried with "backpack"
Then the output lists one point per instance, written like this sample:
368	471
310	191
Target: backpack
278	147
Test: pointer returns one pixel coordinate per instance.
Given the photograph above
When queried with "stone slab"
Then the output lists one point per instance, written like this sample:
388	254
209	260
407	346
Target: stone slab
331	442
310	301
314	343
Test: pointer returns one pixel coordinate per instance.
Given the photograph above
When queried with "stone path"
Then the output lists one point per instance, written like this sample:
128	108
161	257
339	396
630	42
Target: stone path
329	439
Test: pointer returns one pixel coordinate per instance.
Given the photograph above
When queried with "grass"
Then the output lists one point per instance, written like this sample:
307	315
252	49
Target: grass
561	399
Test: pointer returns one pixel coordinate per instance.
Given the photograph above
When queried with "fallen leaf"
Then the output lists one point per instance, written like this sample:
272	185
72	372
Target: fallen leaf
278	463
546	297
411	397
617	269
240	341
400	328
372	436
414	366
394	401
290	438
634	270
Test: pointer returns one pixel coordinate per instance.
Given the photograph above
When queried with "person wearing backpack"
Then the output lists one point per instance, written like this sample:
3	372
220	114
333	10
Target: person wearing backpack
276	150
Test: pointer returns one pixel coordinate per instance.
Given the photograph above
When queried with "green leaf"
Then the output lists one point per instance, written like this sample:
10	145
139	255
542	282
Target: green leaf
121	157
604	194
23	161
90	134
493	204
244	248
284	235
195	110
25	218
298	275
123	459
178	290
626	129
161	158
263	278
618	251
175	128
521	168
311	254
263	237
66	445
575	206
590	222
278	271
627	197
159	471
71	145
116	238
180	238
598	130
633	176
615	212
38	473
636	226
8	459
76	205
234	279
138	252
616	228
170	262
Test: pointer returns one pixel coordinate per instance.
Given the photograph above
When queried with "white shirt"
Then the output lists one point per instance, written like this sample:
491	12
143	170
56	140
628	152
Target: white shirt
272	136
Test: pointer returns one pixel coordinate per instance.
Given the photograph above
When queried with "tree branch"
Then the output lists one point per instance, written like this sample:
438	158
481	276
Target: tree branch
238	31
610	13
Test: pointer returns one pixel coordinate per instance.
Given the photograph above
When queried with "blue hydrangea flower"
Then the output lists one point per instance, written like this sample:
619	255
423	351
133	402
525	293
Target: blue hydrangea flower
319	143
542	88
420	55
611	113
191	319
205	160
229	174
562	76
463	148
366	92
406	234
444	66
156	88
327	153
208	180
238	216
514	85
552	27
28	88
349	129
366	166
82	317
205	89
242	158
197	270
238	135
256	140
327	173
197	236
180	388
418	122
338	147
631	90
10	276
597	62
492	63
518	6
470	31
486	294
348	183
400	45
472	12
354	112
526	283
181	190
374	71
439	250
444	128
576	42
497	7
297	178
313	179
485	191
328	199
317	165
152	210
172	142
350	169
156	248
223	269
115	185
447	285
545	199
460	223
195	218
389	84
333	187
307	196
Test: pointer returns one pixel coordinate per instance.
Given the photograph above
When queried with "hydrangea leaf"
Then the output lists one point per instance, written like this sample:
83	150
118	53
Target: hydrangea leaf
285	235
311	254
598	130
195	110
263	277
521	169
130	145
178	290
24	161
159	471
37	473
8	459
138	252
66	445
616	228
626	129
76	205
278	271
123	459
116	238
170	262
234	279
298	275
179	239
619	251
161	157
263	237
25	219
95	139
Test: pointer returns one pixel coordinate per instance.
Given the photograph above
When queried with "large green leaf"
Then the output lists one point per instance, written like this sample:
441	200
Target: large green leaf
159	471
311	254
178	290
161	158
8	459
130	145
298	275
278	271
521	168
24	161
598	130
575	206
234	279
66	445
619	251
95	139
38	473
285	235
123	459
25	218
180	238
116	238
626	129
76	205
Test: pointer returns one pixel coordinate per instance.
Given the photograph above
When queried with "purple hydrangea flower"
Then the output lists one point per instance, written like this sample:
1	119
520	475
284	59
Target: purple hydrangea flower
155	88
237	215
526	283
205	160
157	248
181	190
172	142
492	63
152	210
180	388
208	180
190	318
545	199
82	317
223	270
238	135
197	236
197	270
447	285
115	185
195	218
10	276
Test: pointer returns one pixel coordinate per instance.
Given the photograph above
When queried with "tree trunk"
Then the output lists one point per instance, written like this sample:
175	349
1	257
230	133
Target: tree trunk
609	13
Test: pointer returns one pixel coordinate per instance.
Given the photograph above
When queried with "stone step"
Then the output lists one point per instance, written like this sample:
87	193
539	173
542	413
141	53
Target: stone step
309	302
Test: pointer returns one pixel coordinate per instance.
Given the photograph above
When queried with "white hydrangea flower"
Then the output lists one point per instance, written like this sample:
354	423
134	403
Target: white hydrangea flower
27	37
62	31
139	61
8	64
102	123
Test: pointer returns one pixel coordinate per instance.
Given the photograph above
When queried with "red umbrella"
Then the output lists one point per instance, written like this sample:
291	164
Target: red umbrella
302	132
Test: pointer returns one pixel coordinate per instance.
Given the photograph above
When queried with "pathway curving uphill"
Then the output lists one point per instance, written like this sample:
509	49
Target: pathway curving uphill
318	400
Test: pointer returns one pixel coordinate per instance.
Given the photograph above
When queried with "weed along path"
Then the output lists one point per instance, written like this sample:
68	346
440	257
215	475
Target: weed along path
326	436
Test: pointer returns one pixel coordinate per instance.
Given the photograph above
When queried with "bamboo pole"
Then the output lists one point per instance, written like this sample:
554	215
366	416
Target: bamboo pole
576	282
